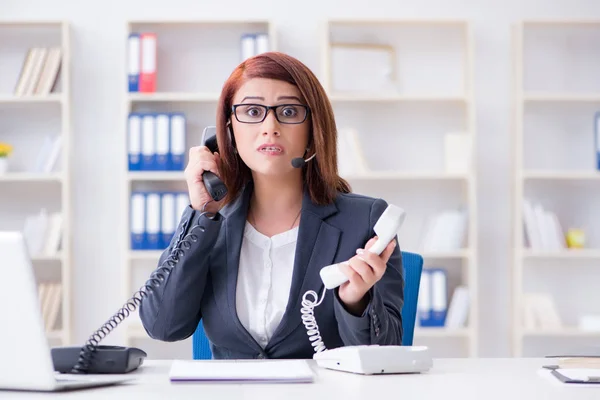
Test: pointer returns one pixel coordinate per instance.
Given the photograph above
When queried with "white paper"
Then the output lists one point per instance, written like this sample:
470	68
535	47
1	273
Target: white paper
241	370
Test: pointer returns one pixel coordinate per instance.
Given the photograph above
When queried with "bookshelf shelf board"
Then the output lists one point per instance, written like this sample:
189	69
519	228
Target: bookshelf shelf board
562	97
173	97
30	177
50	98
566	331
392	175
170	176
424	332
564	254
561	175
362	97
145	255
43	258
440	255
54	334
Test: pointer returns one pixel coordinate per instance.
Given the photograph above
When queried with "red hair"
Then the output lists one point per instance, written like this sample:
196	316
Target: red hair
320	174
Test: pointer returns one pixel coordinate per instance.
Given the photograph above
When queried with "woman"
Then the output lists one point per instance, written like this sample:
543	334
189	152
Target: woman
246	261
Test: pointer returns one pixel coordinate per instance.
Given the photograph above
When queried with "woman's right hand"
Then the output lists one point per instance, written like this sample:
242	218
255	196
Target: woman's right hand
201	159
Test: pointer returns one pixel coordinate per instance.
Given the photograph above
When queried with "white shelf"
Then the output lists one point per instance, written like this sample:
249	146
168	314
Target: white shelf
425	176
55	335
555	98
565	254
561	332
44	258
434	332
561	175
440	255
34	117
50	98
359	97
428	95
174	97
31	177
562	97
156	176
144	255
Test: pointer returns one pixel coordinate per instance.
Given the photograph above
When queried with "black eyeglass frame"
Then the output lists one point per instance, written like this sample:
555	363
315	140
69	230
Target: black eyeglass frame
268	108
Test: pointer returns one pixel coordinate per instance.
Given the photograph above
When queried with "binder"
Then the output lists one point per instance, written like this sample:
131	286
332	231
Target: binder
248	46
168	218
137	221
439	299
134	142
424	300
178	142
148	143
162	142
261	43
148	63
153	217
597	140
183	201
133	62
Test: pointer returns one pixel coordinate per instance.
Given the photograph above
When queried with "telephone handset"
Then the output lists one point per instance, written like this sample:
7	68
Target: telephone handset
386	228
100	359
215	187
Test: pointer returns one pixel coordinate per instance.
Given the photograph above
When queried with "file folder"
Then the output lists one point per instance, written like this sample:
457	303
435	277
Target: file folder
153	241
597	140
148	143
148	63
137	221
162	142
178	142
134	142
168	219
133	64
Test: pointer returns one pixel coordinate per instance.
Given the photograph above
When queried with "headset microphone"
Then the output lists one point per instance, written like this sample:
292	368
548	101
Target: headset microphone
299	162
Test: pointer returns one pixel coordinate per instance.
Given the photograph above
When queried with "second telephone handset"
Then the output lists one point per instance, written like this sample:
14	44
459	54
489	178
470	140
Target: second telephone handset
215	186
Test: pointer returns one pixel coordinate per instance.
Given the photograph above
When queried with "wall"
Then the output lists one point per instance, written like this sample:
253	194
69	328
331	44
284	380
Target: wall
98	49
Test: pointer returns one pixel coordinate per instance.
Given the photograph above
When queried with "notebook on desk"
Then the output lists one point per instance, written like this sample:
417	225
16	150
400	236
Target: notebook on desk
268	371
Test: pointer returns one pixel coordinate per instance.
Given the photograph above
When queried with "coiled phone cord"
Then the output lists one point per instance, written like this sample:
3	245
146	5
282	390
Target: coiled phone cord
156	278
309	321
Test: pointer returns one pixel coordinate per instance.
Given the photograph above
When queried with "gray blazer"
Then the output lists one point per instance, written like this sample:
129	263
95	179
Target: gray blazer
202	283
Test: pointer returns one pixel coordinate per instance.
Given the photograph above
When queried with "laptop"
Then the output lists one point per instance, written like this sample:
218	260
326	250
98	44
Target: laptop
25	358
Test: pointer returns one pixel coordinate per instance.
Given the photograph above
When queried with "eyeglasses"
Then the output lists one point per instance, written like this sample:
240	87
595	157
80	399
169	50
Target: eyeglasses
257	113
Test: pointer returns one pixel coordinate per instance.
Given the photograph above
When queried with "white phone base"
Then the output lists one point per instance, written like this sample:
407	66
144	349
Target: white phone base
376	359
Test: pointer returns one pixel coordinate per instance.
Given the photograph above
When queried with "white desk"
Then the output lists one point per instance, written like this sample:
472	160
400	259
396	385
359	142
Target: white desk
506	379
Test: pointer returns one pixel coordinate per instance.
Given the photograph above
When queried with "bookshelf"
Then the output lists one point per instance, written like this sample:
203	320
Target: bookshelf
35	119
211	50
419	88
556	96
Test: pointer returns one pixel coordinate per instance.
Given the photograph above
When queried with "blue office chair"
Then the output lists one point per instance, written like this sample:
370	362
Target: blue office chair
412	264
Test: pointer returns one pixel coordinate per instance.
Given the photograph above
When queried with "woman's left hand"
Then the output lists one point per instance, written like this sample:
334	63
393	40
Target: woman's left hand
363	271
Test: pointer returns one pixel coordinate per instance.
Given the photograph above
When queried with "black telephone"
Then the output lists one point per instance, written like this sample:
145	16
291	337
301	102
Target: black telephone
216	188
99	359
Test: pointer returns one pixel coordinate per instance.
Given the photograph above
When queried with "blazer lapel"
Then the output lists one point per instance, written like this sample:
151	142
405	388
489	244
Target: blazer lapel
235	220
315	248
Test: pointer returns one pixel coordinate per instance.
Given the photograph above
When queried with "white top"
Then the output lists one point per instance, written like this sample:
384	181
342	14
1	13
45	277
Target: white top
264	280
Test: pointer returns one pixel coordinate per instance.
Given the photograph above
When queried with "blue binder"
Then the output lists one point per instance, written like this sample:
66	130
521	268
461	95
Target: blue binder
137	221
134	62
597	140
177	147
148	142
153	240
134	136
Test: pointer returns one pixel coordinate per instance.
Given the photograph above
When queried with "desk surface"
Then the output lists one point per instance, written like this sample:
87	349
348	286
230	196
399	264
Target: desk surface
490	378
